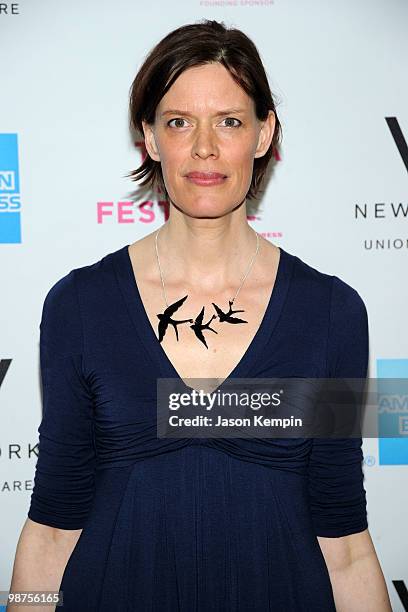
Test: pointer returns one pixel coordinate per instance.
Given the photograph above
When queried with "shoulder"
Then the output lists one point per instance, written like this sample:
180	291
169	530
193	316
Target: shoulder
342	309
342	295
63	299
88	275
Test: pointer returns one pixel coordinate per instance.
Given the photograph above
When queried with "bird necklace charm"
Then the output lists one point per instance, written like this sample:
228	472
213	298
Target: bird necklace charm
198	326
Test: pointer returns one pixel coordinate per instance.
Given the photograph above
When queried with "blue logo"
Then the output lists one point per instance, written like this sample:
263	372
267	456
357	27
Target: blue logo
392	412
10	205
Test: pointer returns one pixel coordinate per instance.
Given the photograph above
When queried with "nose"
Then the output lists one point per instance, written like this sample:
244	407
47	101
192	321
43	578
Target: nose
204	142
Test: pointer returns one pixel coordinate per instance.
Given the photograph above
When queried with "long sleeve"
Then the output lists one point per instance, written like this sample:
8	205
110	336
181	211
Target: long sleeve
336	489
64	475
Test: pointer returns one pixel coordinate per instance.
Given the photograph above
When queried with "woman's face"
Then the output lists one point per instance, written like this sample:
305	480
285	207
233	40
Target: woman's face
207	123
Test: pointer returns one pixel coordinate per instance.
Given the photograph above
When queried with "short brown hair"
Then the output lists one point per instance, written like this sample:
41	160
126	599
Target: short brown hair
193	45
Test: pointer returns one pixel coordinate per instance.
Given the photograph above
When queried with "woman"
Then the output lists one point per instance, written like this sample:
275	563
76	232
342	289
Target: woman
121	519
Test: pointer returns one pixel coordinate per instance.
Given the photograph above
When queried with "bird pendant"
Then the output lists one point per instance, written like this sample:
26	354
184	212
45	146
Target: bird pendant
165	319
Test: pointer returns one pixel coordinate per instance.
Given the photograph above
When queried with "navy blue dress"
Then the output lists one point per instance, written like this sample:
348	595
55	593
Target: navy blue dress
191	525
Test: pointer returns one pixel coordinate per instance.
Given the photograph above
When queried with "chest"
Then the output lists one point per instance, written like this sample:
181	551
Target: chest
213	343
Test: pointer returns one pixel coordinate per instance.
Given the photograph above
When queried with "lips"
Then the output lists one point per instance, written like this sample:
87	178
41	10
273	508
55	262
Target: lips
205	176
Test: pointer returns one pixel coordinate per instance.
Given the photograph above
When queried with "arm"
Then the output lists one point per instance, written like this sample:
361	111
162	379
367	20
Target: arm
337	494
41	556
64	479
355	573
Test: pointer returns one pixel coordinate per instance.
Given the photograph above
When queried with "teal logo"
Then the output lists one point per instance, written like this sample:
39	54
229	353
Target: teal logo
392	411
10	204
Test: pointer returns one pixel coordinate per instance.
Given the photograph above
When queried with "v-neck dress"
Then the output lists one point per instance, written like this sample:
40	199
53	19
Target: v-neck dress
191	524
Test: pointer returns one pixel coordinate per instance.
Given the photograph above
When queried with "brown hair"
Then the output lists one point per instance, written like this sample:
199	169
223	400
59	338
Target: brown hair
193	45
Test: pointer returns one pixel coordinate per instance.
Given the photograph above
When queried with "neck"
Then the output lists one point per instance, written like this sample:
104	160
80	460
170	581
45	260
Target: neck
215	251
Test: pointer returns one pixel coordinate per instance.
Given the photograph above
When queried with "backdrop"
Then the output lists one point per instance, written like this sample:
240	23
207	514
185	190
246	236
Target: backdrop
337	198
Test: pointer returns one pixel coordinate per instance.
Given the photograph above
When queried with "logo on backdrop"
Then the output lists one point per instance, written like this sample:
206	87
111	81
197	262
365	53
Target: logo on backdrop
397	211
10	204
129	211
399	139
15	450
392	413
402	592
9	8
232	3
4	366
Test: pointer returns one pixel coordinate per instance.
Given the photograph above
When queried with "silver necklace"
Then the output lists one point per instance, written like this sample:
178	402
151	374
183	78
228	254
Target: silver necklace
198	327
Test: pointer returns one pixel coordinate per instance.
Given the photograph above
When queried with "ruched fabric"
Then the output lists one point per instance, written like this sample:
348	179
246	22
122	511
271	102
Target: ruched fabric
191	525
64	479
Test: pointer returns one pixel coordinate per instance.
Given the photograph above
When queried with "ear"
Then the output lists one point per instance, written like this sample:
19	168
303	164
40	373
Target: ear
266	134
150	142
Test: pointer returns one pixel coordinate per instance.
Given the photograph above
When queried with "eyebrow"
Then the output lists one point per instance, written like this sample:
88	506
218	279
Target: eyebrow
227	111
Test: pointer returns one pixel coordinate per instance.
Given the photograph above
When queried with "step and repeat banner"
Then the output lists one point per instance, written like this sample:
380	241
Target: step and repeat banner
338	197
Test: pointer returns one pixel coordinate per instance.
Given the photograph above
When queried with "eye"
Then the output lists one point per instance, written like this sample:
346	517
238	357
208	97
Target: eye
233	119
180	119
176	119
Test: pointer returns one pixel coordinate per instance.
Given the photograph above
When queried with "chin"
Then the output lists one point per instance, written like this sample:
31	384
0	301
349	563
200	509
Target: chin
205	205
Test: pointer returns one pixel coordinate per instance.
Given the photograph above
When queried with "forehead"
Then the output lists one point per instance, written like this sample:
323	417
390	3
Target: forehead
205	88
